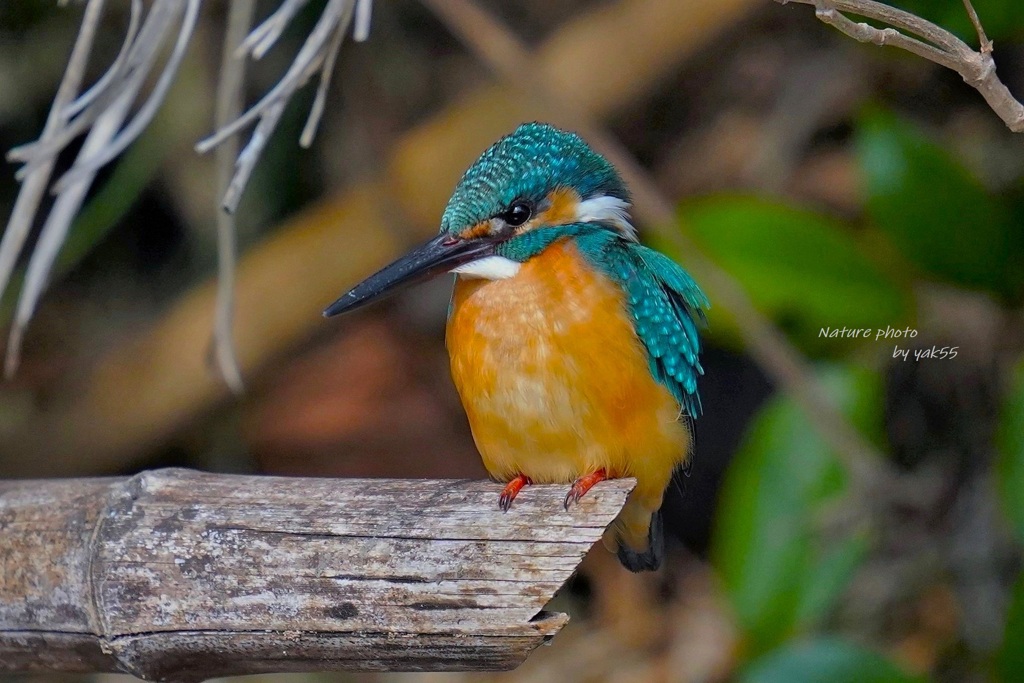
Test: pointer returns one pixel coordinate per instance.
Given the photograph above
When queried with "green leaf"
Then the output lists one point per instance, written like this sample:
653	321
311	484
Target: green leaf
804	270
1010	660
827	580
825	660
934	211
1010	461
777	578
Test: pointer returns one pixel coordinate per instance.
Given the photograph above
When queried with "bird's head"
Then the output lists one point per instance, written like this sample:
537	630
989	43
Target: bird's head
536	177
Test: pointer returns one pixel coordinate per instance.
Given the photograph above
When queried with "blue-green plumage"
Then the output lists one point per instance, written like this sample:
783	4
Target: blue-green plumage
666	305
527	164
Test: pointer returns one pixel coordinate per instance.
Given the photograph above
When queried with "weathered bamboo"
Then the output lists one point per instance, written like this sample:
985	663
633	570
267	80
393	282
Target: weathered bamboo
175	574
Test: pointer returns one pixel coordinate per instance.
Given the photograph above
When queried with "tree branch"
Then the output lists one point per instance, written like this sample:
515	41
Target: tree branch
175	574
935	44
983	41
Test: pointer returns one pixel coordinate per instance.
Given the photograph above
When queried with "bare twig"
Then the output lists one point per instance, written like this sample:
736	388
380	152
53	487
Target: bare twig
512	60
317	110
362	28
932	42
317	55
263	37
55	229
106	106
101	86
34	184
983	41
100	113
146	112
141	55
230	94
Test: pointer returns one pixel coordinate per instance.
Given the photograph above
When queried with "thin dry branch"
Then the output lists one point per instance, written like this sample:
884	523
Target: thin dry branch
512	60
230	100
317	55
102	114
923	38
34	183
983	41
178	575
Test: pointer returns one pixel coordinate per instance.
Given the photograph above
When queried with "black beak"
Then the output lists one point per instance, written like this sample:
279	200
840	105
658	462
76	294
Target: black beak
439	255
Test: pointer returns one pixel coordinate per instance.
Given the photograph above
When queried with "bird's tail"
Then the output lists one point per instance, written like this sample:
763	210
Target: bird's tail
636	535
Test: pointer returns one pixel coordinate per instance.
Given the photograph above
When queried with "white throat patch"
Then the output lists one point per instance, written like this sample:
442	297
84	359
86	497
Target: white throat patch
607	209
489	268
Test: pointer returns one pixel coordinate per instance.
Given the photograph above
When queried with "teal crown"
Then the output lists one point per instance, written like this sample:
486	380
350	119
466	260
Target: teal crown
528	164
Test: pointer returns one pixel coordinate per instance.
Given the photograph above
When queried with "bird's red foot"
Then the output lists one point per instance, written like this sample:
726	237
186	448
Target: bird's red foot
582	485
512	490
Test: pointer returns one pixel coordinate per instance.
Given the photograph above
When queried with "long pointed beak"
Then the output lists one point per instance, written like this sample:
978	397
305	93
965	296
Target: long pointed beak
439	255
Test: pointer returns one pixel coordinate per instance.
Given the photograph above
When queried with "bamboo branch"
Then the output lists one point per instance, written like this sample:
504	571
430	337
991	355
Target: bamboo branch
932	42
175	574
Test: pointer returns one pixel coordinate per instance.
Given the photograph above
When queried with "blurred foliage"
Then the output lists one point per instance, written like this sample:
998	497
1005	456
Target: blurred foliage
824	661
780	576
1001	18
935	212
1010	466
795	265
1010	661
1010	476
926	218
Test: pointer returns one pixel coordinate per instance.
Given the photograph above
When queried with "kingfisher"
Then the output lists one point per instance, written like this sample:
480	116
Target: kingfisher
574	348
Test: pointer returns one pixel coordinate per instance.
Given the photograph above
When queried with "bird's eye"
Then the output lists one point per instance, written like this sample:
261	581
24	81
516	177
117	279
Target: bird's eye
518	213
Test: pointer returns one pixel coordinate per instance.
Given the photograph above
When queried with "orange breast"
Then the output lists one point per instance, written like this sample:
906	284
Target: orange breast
554	380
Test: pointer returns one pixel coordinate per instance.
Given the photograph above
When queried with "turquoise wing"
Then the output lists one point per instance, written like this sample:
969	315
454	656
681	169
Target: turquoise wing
667	306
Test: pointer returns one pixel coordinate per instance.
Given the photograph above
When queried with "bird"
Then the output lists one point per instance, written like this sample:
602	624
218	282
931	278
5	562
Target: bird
575	349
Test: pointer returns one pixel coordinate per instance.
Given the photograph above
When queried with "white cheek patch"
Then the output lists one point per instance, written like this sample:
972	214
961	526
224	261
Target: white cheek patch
489	268
607	209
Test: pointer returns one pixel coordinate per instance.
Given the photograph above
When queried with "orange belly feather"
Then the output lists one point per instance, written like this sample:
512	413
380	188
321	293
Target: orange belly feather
556	383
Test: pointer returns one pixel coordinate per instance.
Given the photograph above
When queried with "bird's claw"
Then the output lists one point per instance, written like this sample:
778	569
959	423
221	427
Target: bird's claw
580	487
511	490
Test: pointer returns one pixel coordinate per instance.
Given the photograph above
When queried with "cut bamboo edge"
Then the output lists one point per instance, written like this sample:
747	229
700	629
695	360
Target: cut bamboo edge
181	575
